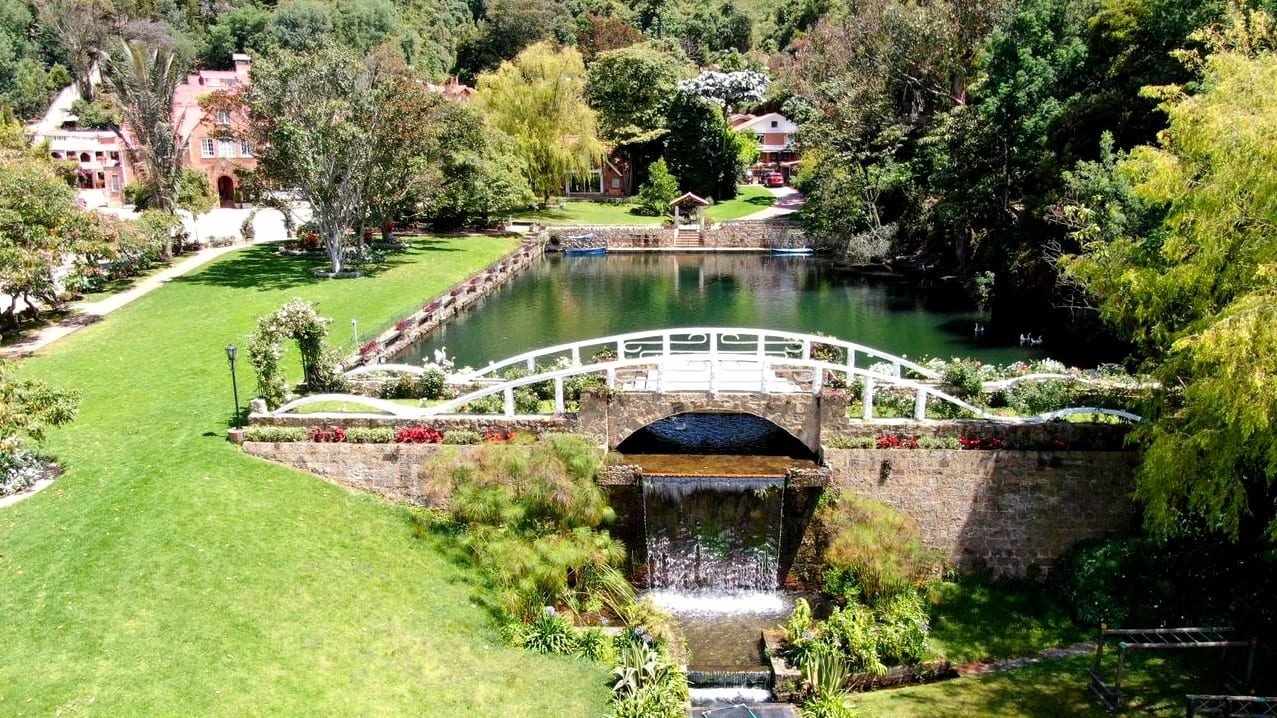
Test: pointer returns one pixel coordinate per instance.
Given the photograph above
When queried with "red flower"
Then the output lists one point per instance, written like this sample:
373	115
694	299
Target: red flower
418	435
327	435
369	348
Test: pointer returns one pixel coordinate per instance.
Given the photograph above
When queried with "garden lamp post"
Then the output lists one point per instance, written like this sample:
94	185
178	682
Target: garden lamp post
354	329
230	357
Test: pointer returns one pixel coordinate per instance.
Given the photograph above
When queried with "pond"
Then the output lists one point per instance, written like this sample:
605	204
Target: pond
564	299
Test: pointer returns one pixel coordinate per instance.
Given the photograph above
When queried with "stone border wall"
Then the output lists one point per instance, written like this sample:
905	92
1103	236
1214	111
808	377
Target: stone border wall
1011	513
481	423
747	234
391	470
394	341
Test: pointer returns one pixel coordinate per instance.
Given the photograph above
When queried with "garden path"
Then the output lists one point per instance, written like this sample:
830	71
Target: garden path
86	313
788	201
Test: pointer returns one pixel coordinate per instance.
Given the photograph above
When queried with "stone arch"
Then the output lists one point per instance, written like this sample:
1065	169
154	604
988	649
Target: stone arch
798	414
715	432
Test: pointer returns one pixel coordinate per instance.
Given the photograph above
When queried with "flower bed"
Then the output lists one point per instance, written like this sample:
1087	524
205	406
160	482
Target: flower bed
19	471
375	435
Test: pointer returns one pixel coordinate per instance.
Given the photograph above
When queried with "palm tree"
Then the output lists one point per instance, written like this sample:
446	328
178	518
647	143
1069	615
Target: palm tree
143	79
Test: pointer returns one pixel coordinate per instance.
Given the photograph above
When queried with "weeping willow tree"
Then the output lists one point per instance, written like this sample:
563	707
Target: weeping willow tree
538	99
1199	292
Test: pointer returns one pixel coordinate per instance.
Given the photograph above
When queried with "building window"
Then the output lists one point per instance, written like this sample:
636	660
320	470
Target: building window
774	124
115	182
245	149
227	149
206	148
224	118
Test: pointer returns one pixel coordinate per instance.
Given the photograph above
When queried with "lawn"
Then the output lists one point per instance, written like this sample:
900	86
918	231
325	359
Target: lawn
168	574
751	199
1155	684
975	620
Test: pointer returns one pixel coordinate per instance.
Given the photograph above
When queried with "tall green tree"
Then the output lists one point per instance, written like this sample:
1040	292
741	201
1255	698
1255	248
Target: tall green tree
478	176
1199	294
538	100
335	126
632	89
706	155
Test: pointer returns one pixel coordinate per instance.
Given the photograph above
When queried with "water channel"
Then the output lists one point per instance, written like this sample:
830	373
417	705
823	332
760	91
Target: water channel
565	299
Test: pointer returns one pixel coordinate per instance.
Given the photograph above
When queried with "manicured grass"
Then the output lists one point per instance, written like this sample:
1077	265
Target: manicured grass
168	574
974	620
1155	686
751	199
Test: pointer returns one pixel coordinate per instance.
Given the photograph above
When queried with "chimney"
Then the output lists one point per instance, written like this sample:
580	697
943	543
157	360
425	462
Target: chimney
242	64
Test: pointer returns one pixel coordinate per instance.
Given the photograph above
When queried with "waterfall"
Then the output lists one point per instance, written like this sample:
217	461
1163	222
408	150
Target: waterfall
712	537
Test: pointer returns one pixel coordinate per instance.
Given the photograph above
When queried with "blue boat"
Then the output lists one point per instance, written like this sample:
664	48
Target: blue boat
585	252
794	251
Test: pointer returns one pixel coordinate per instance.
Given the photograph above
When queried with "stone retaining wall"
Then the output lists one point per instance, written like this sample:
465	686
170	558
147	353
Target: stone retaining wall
757	234
391	470
1007	512
408	331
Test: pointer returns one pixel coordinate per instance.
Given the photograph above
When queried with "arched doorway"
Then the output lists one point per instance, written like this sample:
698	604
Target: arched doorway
226	191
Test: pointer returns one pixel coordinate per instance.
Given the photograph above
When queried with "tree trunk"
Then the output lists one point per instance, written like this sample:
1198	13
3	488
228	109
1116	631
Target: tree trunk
332	240
386	235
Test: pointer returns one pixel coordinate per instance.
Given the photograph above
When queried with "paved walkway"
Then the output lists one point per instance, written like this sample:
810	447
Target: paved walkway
788	201
86	313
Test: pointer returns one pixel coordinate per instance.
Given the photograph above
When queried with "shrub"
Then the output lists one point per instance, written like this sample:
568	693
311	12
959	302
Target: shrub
499	437
962	378
491	404
461	436
433	384
404	386
658	191
990	443
939	442
549	633
1037	397
275	434
902	628
873	551
648	685
19	470
526	401
370	435
418	435
594	645
326	434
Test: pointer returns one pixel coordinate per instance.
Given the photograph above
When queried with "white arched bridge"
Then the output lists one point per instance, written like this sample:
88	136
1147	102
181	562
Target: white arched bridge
697	360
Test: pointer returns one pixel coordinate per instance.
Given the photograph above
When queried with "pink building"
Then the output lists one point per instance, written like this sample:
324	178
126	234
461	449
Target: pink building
204	134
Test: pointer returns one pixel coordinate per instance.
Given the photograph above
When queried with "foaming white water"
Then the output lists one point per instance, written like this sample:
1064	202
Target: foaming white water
718	603
729	696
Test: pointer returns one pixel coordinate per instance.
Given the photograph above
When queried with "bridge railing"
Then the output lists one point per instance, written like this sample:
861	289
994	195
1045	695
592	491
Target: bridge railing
711	341
707	373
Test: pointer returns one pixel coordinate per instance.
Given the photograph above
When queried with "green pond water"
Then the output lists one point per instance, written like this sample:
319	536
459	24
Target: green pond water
565	299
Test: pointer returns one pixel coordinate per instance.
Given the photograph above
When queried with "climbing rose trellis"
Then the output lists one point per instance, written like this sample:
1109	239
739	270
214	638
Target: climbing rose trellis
296	320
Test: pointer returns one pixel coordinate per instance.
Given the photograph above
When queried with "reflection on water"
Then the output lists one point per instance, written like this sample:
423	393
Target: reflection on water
568	299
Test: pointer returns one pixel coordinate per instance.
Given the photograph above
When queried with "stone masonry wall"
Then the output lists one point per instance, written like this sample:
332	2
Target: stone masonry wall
1008	512
756	234
391	470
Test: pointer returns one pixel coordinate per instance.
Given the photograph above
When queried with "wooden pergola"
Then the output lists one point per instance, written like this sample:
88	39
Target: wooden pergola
687	201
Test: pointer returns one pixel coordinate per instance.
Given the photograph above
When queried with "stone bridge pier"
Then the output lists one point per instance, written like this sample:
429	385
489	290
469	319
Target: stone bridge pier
613	419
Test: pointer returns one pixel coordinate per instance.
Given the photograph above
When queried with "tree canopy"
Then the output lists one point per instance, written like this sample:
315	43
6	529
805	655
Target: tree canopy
1197	293
538	100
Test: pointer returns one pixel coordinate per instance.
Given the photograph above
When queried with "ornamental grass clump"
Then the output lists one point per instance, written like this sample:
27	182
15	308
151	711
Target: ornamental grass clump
873	551
532	518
